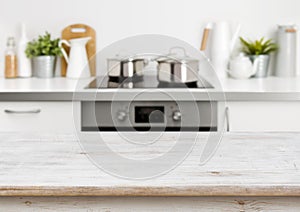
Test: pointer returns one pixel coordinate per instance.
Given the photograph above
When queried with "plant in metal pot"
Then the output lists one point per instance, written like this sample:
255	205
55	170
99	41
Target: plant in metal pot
43	53
259	53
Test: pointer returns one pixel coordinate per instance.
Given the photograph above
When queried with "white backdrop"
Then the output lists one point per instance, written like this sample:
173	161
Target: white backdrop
117	19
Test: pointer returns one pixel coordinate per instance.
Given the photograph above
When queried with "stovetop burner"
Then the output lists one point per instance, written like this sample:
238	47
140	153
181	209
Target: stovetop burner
104	82
121	80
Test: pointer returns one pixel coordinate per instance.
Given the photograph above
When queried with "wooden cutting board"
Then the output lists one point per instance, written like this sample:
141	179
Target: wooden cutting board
80	31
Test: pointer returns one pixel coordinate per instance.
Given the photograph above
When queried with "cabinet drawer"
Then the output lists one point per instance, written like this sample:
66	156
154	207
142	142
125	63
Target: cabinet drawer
264	116
36	117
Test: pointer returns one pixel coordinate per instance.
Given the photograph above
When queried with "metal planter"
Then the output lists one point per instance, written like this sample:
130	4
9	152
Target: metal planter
263	65
44	66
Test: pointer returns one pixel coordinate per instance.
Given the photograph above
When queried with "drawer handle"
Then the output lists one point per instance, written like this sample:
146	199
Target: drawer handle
34	111
227	119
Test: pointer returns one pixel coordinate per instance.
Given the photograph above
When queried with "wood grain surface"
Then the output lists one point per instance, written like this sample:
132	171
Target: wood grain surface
157	204
245	164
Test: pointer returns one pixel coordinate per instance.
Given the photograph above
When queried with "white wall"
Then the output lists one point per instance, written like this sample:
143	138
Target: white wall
117	19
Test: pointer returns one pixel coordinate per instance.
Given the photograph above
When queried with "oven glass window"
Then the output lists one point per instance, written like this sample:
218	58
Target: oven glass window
148	115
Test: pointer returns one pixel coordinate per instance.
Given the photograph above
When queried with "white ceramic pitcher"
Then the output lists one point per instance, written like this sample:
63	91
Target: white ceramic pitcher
221	45
78	66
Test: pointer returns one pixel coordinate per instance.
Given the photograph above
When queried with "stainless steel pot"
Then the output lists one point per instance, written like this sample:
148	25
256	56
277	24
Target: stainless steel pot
126	68
175	69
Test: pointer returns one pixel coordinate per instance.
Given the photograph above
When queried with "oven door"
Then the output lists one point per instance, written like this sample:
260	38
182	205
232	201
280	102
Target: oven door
149	116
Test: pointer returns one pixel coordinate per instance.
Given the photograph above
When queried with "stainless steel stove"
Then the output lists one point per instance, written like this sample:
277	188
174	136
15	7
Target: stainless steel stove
144	82
149	115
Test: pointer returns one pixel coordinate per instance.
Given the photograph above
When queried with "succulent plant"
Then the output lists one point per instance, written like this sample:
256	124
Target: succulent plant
258	47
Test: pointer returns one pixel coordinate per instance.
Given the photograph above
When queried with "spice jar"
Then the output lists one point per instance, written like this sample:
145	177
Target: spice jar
11	70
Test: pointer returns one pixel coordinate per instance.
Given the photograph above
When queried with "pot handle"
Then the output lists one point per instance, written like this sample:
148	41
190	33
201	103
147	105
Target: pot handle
61	42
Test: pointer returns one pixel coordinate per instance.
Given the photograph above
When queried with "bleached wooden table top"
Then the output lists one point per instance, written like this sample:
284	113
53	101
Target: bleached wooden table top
245	164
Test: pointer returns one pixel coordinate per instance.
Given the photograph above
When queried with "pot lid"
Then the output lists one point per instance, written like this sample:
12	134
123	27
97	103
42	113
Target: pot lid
126	58
175	57
172	59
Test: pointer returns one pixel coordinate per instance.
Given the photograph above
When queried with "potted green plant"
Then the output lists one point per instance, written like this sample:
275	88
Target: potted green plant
259	50
43	53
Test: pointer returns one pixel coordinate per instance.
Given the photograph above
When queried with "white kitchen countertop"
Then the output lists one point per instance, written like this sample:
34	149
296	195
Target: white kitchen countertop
245	164
270	84
57	84
271	88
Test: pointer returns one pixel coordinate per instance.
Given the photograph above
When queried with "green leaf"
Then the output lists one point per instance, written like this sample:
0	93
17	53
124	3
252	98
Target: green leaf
44	45
258	47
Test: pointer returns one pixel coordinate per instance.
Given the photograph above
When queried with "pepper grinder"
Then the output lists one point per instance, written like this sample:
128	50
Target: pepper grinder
286	61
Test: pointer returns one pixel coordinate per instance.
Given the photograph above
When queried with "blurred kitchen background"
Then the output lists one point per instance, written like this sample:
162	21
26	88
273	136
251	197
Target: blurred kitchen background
117	19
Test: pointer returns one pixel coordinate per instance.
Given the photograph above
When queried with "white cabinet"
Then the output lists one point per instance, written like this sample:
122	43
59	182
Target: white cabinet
264	116
61	117
36	117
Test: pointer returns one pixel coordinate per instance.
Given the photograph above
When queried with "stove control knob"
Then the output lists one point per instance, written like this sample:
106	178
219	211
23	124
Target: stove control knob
177	116
121	116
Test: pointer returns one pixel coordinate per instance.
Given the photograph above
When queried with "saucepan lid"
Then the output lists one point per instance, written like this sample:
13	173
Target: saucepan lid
123	59
176	55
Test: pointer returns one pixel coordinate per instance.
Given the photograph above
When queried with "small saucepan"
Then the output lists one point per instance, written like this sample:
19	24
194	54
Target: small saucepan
177	69
124	68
